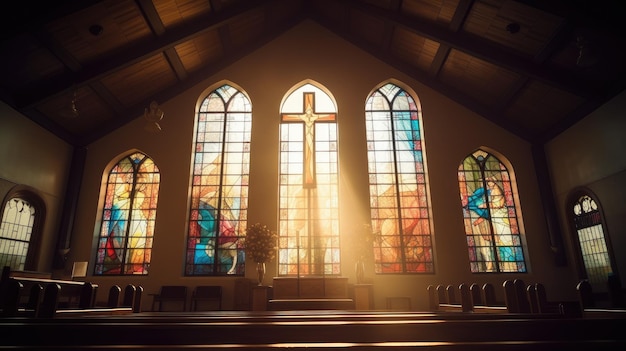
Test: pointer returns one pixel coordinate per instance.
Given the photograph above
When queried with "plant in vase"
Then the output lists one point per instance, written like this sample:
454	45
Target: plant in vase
260	244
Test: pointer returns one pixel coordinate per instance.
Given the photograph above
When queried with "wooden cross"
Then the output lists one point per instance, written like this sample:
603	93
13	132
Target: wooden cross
309	117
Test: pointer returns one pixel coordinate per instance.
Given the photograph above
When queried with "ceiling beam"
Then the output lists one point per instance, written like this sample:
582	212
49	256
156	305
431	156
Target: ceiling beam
137	52
131	113
427	79
484	50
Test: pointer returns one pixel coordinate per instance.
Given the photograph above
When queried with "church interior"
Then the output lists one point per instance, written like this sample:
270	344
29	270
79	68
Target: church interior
413	160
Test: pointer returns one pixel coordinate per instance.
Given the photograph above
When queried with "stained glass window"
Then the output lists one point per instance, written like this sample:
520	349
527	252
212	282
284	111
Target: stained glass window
15	233
308	220
128	217
490	215
593	247
398	183
219	190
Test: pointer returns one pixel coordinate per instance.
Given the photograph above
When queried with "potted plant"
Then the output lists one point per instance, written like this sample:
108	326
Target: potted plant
260	244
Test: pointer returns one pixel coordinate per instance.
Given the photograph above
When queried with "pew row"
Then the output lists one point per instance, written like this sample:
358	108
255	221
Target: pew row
43	298
518	298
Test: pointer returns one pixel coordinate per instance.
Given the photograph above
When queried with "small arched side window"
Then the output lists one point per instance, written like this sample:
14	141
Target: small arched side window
20	230
592	242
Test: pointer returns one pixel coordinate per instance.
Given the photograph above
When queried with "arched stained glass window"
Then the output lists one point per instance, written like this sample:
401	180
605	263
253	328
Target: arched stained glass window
309	204
219	190
398	183
17	232
490	215
592	242
128	217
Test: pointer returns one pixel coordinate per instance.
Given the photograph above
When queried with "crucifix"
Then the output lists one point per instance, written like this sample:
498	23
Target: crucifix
309	117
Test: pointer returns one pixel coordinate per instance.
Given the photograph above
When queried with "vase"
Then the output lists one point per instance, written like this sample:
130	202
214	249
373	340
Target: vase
260	272
359	268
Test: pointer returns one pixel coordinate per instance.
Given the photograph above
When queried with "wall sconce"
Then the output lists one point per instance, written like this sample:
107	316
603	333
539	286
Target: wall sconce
153	115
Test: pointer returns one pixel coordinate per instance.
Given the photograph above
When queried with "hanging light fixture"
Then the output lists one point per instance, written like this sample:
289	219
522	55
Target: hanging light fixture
70	111
153	114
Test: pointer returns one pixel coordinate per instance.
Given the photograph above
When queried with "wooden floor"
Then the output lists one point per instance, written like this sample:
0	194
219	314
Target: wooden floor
316	329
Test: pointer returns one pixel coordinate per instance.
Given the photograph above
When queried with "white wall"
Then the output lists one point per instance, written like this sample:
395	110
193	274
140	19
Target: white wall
592	154
34	157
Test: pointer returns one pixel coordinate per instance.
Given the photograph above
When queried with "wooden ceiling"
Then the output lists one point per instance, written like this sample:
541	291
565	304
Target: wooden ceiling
534	67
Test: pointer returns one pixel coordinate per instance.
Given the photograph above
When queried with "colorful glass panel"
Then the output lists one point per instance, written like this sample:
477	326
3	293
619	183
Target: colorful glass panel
398	184
129	214
490	215
15	233
309	202
219	191
588	223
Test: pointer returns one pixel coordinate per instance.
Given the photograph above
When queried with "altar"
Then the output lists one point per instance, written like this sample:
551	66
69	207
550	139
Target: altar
310	292
310	287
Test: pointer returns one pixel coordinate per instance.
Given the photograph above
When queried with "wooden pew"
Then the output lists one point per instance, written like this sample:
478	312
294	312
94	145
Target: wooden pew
73	293
470	299
49	308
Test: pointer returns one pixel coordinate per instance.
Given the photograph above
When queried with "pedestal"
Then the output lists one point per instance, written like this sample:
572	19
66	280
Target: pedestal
363	297
260	296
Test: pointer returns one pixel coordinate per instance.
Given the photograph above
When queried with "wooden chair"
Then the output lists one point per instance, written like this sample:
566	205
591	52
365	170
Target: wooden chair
170	293
206	293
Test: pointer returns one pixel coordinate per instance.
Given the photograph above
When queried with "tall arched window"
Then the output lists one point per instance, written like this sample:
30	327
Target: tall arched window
128	217
398	183
20	230
592	242
490	215
309	204
219	190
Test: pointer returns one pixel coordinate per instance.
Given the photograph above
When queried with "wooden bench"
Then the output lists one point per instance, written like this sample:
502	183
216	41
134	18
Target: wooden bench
28	293
473	298
32	296
310	292
49	307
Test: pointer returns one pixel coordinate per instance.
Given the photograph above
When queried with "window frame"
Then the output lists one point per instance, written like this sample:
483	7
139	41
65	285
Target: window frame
510	202
581	269
423	234
108	213
35	200
215	208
